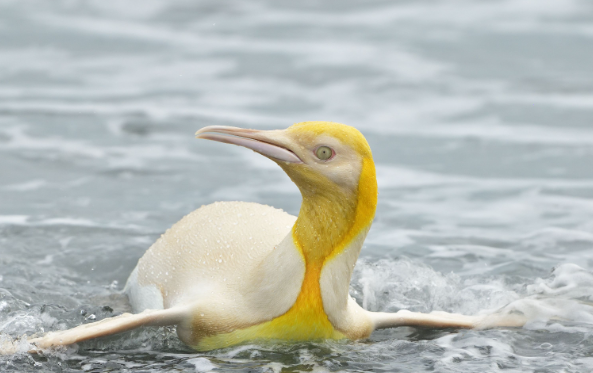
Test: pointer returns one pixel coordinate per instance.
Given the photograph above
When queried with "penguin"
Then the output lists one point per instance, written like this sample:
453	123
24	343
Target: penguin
232	272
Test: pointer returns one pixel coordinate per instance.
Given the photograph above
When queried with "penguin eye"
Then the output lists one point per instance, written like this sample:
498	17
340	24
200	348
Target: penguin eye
324	152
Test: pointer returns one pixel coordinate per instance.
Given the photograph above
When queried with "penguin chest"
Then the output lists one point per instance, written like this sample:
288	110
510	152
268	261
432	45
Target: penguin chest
305	320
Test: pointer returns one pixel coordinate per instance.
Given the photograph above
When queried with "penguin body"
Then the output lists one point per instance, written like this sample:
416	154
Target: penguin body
235	265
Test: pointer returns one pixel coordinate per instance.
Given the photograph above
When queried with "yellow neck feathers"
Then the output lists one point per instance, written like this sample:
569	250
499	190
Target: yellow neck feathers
330	219
327	224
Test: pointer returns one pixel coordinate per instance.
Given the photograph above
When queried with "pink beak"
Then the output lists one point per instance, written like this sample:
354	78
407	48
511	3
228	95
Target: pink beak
267	143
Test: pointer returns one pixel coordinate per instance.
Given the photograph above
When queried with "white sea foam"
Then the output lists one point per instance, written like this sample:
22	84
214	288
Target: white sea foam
488	130
26	186
13	219
202	364
388	285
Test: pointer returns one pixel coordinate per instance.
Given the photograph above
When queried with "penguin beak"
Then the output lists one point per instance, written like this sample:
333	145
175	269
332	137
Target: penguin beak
271	144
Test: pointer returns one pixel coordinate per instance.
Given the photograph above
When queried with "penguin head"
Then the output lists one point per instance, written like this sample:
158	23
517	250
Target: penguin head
320	157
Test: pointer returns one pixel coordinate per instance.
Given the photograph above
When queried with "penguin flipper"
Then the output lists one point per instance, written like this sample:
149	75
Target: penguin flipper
109	326
438	319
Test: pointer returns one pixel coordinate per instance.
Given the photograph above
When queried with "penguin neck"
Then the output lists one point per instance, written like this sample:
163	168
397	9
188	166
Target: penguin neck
329	220
323	223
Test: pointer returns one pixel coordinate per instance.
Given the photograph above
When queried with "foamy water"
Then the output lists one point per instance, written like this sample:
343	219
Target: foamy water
479	115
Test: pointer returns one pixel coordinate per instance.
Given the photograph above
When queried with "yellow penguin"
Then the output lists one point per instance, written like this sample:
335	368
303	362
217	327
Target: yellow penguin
232	272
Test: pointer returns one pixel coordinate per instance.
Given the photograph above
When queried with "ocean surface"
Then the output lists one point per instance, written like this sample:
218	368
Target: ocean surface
479	114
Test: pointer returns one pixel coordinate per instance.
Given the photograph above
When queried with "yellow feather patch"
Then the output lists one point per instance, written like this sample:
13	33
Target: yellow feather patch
304	321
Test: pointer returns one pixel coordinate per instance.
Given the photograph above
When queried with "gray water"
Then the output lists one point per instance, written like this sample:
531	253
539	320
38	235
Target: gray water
479	114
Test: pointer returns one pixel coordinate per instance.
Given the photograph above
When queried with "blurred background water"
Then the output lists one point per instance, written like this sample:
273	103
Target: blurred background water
479	114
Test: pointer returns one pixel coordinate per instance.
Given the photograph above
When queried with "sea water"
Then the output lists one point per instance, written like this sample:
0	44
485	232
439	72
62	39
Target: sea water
479	114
